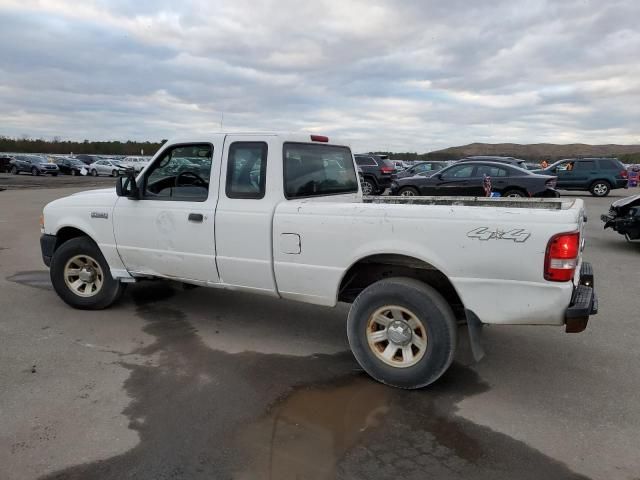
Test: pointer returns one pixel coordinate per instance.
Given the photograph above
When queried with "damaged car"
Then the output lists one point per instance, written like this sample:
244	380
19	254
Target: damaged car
624	217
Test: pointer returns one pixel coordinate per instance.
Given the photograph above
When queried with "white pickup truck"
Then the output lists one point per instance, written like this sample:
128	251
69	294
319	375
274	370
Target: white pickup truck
283	215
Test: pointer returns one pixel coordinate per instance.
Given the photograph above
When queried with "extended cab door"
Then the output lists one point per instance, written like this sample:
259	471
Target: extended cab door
170	231
250	188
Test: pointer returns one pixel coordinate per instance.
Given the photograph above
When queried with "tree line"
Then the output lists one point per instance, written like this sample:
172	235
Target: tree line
38	145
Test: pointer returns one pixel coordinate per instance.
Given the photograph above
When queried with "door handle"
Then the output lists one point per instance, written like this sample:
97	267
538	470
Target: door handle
195	217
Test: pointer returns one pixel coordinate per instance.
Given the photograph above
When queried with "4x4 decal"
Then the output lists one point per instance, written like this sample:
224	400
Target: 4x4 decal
485	233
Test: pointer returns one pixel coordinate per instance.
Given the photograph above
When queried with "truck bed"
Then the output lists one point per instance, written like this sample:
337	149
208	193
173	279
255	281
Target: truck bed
538	203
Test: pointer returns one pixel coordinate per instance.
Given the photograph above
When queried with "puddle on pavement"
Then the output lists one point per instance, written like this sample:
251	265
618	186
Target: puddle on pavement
33	278
305	435
203	413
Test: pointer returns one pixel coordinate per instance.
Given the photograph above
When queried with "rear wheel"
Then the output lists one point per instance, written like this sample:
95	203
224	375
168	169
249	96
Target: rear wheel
73	172
94	172
368	187
408	192
14	170
600	188
513	194
81	277
402	332
114	173
35	171
54	174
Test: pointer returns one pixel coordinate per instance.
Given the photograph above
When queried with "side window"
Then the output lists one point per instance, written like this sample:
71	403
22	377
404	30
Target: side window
491	171
246	170
609	164
181	173
460	171
585	165
314	170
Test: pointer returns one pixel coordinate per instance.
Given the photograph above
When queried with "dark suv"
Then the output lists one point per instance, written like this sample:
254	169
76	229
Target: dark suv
597	175
377	173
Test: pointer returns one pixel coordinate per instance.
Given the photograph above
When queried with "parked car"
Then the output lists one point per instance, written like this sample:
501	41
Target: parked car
135	162
400	165
624	217
69	165
517	162
300	230
5	162
87	159
34	164
467	179
377	172
596	175
426	168
105	167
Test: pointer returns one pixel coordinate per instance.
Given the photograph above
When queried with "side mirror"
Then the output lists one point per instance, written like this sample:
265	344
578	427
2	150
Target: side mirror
126	186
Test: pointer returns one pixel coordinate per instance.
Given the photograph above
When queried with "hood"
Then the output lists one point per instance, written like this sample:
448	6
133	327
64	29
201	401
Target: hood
622	206
99	190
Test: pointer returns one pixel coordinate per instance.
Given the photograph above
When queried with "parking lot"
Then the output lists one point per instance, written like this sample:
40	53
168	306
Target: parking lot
202	383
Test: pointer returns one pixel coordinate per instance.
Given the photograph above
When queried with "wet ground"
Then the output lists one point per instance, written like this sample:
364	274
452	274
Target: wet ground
174	383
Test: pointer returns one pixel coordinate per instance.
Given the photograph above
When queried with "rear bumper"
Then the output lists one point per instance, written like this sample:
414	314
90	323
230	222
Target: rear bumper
47	246
621	183
584	302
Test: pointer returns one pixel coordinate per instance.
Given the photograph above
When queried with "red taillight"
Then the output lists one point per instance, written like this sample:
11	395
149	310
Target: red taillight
561	258
319	138
387	169
624	174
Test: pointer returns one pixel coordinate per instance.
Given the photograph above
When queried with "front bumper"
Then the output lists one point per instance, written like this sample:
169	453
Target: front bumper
47	246
584	302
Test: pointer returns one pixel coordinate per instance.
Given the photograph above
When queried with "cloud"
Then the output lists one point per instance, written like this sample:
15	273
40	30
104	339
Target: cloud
410	75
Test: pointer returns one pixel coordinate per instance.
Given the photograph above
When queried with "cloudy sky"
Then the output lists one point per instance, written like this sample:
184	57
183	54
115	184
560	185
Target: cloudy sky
384	75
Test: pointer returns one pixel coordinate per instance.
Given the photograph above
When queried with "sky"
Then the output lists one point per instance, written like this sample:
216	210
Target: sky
382	75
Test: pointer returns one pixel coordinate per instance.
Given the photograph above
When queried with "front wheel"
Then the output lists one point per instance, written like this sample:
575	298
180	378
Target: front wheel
114	173
94	172
81	277
14	170
73	173
35	171
600	188
408	192
54	174
402	332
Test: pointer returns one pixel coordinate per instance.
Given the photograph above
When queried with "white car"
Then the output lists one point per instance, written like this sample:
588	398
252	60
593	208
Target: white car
137	163
284	216
105	167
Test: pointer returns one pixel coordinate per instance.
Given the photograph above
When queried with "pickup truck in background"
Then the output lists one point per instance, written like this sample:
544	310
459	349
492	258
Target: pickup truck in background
284	216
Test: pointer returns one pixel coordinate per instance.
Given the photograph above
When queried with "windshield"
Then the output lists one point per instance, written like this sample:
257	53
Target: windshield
313	170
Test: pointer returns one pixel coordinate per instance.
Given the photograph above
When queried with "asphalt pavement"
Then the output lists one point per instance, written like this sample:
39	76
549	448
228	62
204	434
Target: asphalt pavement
200	383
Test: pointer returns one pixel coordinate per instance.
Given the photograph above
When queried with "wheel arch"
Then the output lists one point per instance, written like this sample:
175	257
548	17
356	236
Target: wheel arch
371	268
66	233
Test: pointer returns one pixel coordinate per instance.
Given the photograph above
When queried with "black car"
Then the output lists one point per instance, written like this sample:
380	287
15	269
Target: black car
5	162
33	164
596	175
69	166
377	172
624	217
87	159
467	179
420	168
516	162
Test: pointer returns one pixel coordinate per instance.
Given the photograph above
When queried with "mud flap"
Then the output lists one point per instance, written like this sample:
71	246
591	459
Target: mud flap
474	326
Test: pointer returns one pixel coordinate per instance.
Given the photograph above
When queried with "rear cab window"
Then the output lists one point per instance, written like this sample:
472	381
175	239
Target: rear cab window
316	170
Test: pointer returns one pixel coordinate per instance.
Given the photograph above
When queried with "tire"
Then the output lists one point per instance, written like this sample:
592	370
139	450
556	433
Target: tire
408	192
35	172
114	173
94	173
368	187
73	173
69	256
54	174
14	170
410	300
514	194
600	188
